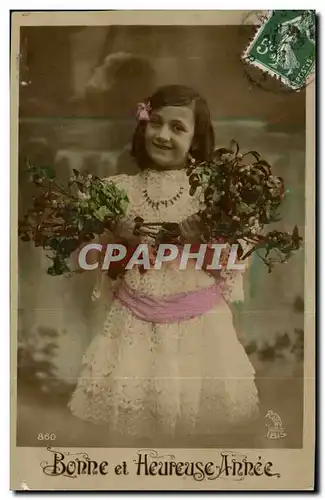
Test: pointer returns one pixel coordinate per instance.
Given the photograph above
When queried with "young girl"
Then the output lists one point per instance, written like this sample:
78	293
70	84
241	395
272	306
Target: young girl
170	370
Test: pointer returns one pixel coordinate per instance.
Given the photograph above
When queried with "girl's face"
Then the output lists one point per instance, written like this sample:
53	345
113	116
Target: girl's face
168	136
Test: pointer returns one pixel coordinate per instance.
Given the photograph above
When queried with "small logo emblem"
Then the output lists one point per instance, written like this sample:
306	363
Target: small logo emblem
275	429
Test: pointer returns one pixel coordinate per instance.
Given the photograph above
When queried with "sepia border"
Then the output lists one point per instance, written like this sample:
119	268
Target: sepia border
295	468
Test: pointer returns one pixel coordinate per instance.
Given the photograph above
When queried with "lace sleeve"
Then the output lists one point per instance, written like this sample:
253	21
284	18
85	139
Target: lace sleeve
232	284
104	285
122	181
102	295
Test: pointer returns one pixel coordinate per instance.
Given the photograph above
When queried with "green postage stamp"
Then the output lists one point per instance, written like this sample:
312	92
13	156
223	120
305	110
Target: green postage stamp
284	46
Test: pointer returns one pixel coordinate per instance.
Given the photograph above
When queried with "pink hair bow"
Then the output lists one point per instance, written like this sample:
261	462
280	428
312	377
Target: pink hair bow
143	111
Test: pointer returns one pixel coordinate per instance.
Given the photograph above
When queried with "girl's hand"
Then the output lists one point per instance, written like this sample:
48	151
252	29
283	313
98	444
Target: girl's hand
191	229
124	230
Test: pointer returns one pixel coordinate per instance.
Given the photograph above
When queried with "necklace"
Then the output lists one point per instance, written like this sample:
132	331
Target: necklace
155	184
170	201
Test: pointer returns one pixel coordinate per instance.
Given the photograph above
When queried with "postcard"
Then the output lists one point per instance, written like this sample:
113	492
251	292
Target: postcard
163	250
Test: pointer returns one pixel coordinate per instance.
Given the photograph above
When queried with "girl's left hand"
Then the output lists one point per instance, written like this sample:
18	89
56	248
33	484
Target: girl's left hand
124	230
191	229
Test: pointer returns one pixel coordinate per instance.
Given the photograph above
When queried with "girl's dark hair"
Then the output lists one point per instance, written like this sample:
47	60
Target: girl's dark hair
178	95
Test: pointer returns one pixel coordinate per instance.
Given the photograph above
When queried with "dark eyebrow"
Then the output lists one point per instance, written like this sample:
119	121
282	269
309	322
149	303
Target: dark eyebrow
156	115
176	121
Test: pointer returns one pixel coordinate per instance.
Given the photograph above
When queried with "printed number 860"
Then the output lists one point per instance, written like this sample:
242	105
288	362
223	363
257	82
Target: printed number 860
46	437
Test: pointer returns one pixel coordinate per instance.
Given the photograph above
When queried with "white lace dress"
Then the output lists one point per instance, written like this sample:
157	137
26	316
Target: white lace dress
141	378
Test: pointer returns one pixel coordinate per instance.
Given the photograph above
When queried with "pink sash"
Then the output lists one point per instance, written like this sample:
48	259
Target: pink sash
170	309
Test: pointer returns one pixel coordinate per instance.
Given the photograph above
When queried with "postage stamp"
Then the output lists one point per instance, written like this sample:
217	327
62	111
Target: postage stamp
284	46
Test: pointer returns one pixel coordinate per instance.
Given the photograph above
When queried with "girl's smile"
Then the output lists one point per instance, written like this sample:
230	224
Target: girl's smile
169	135
162	146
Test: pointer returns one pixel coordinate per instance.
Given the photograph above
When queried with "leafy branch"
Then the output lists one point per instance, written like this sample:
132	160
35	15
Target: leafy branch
241	197
62	218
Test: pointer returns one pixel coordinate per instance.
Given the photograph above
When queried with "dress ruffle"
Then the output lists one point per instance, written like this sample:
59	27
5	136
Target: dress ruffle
154	377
